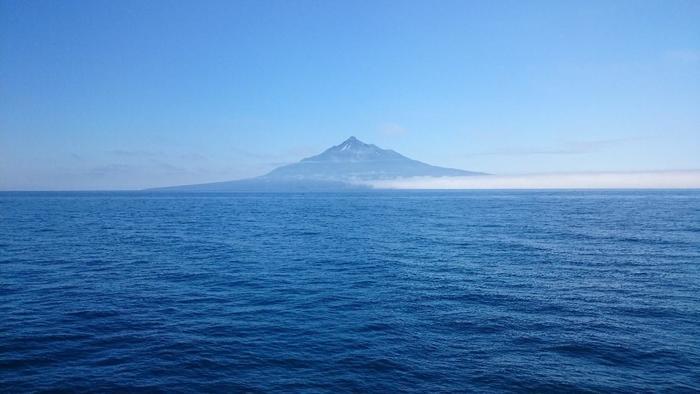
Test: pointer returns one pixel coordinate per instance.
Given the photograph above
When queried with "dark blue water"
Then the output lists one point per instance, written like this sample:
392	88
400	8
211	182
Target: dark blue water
382	292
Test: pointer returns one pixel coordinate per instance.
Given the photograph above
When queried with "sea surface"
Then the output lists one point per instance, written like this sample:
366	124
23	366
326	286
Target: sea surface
476	291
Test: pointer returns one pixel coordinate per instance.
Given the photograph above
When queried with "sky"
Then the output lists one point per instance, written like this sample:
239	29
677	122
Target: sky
133	94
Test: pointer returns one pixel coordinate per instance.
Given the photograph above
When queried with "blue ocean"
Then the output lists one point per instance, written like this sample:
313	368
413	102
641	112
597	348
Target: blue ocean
465	291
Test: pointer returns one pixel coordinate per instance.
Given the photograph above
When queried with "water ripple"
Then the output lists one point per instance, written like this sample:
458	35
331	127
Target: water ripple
382	292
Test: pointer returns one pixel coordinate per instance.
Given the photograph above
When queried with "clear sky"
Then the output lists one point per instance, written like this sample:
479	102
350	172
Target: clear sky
121	94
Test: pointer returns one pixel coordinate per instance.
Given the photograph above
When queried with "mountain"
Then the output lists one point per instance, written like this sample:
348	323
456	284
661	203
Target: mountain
354	160
342	167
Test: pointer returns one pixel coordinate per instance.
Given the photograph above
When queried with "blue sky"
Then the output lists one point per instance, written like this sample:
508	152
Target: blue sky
122	94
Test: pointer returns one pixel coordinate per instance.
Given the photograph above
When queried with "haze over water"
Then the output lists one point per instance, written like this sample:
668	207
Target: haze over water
384	291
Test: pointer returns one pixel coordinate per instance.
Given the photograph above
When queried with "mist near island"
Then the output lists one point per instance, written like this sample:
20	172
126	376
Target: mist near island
689	179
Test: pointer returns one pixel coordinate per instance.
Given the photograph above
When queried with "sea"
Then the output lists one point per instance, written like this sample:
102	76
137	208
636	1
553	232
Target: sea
385	291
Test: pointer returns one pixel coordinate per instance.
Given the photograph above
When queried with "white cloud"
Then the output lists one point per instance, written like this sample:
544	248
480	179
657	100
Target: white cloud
588	180
567	148
684	56
392	129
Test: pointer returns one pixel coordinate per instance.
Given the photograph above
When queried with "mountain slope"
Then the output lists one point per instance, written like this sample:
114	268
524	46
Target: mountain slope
342	167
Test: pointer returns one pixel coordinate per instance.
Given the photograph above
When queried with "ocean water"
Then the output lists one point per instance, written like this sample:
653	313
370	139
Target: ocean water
479	291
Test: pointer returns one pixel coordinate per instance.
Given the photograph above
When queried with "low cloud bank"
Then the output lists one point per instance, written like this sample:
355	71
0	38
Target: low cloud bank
589	180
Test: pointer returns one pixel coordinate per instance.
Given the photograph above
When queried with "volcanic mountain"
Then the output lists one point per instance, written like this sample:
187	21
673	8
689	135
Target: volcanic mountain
344	166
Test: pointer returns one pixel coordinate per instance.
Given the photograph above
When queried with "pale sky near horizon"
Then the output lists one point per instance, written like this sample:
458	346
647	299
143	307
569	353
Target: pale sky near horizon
131	94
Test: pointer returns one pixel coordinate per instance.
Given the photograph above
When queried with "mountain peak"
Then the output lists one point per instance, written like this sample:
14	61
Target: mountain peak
353	150
351	143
